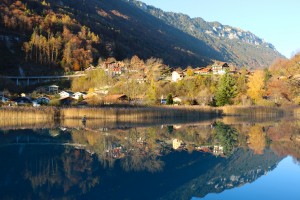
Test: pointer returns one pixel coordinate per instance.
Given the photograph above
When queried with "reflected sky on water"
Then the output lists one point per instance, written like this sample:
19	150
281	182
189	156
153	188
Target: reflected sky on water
281	183
218	159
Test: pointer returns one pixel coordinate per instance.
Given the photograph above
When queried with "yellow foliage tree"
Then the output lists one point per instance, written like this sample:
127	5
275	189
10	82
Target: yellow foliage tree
257	139
190	71
256	85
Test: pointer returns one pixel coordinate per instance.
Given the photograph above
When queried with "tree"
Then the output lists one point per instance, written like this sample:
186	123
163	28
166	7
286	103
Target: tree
227	136
169	99
190	71
151	92
256	86
80	99
226	91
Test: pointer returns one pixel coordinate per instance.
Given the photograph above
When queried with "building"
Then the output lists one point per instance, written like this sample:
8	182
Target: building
115	99
177	75
177	100
53	89
203	71
3	99
219	68
77	95
43	100
64	94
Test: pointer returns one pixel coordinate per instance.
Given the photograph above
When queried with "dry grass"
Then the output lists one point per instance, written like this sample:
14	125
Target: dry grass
252	111
139	113
25	123
28	113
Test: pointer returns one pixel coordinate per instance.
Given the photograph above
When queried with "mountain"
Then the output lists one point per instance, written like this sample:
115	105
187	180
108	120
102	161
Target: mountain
234	44
125	28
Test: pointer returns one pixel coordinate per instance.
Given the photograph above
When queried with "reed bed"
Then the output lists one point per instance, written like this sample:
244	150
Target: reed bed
26	123
253	111
138	114
42	113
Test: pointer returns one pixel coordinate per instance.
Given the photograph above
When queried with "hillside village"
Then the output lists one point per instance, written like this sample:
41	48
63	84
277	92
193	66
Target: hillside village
55	95
150	82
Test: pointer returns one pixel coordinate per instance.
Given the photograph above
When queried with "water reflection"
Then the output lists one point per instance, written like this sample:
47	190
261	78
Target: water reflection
159	162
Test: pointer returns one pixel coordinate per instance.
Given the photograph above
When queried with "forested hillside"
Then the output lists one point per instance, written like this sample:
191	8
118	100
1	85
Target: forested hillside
69	35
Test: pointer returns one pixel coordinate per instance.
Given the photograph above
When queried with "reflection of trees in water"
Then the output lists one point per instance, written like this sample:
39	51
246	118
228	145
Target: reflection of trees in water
136	149
257	139
59	173
285	138
227	136
141	152
139	148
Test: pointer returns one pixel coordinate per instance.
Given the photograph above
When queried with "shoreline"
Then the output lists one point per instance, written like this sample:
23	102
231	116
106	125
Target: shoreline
139	113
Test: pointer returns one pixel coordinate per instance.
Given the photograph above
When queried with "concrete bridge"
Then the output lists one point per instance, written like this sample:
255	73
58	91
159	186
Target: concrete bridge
31	80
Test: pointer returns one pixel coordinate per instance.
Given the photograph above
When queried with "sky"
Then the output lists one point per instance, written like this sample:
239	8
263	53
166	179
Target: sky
275	21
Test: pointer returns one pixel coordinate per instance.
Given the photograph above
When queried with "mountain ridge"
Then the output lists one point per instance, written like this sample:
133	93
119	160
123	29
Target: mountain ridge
210	31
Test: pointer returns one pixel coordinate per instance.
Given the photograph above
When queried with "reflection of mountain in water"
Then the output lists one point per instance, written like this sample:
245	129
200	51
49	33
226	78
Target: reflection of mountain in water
186	175
241	168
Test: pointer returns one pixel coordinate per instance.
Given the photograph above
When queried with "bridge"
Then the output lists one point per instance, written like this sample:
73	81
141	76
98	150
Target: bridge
76	145
31	80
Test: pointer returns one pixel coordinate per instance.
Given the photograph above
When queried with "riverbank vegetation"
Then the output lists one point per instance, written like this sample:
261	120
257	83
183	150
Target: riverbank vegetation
142	114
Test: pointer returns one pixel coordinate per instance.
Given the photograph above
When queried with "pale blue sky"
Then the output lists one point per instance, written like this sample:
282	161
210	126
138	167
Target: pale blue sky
276	21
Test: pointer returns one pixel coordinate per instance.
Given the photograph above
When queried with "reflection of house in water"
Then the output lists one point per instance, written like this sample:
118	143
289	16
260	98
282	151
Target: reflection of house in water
176	144
206	149
176	127
218	150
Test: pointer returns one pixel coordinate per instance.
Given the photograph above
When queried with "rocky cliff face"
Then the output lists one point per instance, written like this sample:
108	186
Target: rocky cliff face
236	45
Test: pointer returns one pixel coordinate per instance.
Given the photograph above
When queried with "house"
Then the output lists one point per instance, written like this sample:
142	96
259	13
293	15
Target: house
64	94
177	75
22	101
77	95
177	100
137	100
43	100
4	99
113	68
67	100
219	68
53	89
115	98
232	69
203	71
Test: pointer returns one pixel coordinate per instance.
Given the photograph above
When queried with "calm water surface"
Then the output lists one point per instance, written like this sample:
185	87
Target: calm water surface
212	160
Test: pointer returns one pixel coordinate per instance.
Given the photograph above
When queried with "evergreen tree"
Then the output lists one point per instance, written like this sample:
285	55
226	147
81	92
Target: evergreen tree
170	99
80	99
226	90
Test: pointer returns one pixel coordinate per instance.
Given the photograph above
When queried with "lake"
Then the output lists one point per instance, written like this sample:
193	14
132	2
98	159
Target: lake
216	159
